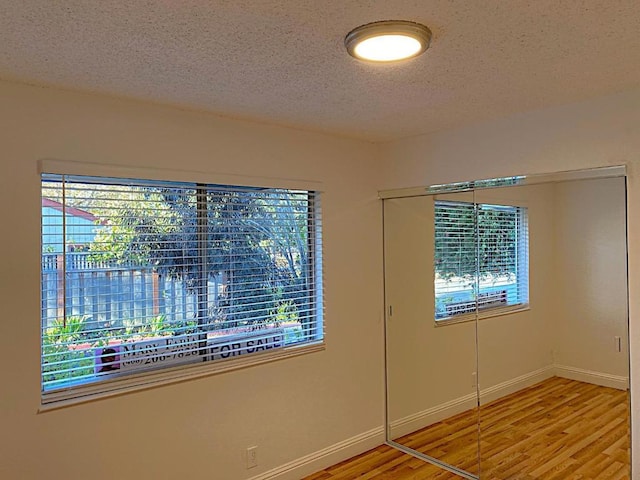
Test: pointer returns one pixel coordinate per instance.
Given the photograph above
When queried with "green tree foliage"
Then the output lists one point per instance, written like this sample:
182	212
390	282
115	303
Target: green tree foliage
256	240
60	361
472	237
455	245
497	240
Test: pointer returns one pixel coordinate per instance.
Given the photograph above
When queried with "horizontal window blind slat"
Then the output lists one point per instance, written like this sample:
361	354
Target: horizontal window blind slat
480	257
128	261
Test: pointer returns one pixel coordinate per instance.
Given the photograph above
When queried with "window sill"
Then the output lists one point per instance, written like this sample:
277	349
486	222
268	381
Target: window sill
482	315
133	383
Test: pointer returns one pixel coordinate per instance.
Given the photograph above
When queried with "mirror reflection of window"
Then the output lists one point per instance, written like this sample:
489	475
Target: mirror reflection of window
480	257
507	326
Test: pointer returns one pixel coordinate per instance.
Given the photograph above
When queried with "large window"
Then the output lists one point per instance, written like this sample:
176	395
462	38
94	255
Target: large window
139	276
481	258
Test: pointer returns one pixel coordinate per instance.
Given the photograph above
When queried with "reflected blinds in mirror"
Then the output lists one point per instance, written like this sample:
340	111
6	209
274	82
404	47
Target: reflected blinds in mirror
480	259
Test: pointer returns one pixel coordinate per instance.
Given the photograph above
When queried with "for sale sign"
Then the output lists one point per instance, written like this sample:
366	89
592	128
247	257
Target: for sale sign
160	351
175	350
222	348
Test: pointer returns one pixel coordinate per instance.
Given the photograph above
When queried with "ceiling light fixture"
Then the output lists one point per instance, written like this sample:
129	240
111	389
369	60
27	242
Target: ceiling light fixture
388	41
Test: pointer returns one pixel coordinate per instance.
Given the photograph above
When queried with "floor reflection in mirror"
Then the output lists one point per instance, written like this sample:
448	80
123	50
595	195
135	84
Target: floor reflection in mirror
557	429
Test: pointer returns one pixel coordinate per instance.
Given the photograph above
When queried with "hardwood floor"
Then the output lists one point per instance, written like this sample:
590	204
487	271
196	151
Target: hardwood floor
383	463
579	429
558	429
453	440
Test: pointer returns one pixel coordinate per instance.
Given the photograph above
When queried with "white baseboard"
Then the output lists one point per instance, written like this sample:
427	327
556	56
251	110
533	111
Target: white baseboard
338	452
326	457
427	417
424	418
588	376
515	384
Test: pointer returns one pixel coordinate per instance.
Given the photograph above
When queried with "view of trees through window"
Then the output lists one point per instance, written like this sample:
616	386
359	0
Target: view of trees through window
141	273
480	255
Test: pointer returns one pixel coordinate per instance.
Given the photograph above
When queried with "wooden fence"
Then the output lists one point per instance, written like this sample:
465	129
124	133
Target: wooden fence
112	294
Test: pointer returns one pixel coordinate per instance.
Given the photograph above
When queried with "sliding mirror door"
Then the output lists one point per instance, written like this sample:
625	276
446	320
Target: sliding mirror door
430	295
553	358
507	325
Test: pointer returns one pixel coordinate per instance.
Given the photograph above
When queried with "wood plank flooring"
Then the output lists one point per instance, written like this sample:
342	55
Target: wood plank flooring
453	440
558	429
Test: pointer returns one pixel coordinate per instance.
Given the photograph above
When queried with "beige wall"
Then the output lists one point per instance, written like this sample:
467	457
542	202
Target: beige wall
304	404
197	428
427	365
590	276
512	346
431	366
599	132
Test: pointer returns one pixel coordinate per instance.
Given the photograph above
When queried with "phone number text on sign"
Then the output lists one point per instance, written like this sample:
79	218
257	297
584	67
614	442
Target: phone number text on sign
159	351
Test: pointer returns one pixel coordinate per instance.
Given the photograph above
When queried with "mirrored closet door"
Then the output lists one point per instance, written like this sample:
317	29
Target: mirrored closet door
507	325
432	395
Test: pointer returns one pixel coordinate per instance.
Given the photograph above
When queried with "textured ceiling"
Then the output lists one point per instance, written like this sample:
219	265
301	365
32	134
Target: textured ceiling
283	61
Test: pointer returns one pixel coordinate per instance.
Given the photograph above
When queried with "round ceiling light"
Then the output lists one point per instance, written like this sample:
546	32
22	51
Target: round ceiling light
388	41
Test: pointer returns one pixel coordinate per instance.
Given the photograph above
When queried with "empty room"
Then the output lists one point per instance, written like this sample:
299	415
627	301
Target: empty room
243	241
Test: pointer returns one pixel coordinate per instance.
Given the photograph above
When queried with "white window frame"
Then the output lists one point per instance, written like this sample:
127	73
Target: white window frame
522	271
135	381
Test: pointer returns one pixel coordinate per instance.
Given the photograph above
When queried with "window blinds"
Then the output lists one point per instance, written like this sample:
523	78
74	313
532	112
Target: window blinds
140	275
480	257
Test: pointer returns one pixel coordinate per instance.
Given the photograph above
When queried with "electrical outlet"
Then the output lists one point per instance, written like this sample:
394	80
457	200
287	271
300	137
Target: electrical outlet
474	379
252	457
